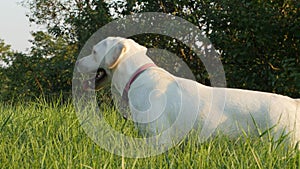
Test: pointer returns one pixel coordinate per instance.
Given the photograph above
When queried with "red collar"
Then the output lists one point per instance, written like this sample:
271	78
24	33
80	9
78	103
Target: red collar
133	77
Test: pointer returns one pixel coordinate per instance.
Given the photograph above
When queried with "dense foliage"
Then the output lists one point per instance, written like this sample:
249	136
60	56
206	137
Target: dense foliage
259	42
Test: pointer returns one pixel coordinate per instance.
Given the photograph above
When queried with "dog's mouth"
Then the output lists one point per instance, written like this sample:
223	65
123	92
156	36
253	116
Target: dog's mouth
95	82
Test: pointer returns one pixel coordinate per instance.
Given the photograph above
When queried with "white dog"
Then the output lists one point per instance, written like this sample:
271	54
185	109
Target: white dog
161	103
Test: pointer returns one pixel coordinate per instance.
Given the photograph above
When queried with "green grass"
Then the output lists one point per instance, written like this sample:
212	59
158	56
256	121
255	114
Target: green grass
48	135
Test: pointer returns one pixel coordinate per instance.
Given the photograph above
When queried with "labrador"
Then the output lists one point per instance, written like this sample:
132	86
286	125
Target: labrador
162	103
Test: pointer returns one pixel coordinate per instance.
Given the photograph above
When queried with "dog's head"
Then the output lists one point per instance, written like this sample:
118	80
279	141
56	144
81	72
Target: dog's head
104	58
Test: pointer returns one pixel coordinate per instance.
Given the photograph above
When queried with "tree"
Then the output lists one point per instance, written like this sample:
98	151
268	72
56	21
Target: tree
5	51
48	68
75	21
258	40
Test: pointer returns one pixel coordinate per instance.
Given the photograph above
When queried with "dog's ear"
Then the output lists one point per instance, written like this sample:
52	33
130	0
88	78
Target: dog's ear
114	55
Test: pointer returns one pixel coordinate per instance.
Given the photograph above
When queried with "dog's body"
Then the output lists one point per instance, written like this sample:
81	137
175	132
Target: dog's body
159	101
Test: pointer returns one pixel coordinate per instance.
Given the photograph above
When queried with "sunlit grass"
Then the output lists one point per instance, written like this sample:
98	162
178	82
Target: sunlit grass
45	134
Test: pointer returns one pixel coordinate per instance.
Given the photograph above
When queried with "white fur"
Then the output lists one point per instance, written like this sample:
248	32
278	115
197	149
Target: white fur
157	98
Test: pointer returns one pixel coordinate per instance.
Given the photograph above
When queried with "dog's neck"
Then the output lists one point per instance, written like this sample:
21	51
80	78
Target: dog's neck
127	68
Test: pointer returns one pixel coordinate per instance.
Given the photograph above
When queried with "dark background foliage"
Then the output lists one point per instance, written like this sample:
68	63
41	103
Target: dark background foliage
258	42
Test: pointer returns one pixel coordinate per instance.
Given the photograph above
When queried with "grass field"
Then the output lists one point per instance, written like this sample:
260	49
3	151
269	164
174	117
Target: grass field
48	135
